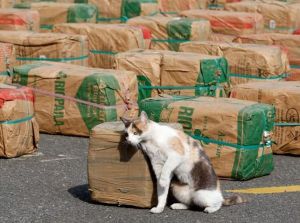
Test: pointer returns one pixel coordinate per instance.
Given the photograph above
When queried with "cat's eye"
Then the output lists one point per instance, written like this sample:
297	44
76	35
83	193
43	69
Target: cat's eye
135	133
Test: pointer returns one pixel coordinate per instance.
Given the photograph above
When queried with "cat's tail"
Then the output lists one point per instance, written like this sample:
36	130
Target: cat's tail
234	199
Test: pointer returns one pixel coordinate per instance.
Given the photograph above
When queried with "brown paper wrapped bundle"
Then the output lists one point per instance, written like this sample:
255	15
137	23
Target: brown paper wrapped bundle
217	37
278	16
247	62
19	19
285	97
173	6
19	133
7	61
229	23
117	172
105	41
72	99
30	46
168	32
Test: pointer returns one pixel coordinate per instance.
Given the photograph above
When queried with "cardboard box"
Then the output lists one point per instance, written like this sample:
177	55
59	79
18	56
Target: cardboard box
117	172
72	99
278	16
232	131
247	62
229	23
19	133
7	61
19	19
168	32
175	73
285	97
57	12
105	41
57	47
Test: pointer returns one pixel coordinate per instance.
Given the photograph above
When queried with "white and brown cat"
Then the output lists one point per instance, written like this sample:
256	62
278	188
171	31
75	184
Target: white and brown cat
175	155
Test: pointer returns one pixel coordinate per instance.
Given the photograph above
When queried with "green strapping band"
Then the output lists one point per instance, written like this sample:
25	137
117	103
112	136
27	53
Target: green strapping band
4	73
286	124
170	40
281	76
178	87
46	27
222	143
103	52
280	28
103	19
295	66
52	59
16	121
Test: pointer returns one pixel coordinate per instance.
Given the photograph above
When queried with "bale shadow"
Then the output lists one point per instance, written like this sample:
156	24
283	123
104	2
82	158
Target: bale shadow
81	192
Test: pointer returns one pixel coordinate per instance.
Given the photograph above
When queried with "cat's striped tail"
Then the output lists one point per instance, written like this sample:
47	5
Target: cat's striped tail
234	199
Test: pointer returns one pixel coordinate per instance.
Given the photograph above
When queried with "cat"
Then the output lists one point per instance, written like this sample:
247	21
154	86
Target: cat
175	155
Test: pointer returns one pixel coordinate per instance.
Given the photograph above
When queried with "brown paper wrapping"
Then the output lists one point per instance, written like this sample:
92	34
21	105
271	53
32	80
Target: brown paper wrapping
106	40
217	37
285	97
261	62
7	61
19	133
229	23
30	47
179	5
19	19
119	173
110	89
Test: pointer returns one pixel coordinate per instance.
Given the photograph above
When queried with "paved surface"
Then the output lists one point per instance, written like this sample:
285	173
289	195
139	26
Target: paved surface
52	187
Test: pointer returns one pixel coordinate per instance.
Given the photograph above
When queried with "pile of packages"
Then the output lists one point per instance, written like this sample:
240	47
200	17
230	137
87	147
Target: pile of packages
225	72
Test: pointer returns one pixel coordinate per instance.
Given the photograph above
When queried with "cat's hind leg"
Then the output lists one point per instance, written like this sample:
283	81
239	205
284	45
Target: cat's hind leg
182	194
210	200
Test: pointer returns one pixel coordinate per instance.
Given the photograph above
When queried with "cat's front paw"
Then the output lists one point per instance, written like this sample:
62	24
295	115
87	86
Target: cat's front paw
156	210
164	182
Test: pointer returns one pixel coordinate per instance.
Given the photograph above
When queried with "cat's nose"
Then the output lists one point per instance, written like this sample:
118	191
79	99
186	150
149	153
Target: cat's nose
127	139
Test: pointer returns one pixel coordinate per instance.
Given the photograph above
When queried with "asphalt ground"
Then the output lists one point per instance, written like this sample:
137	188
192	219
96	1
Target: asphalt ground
51	186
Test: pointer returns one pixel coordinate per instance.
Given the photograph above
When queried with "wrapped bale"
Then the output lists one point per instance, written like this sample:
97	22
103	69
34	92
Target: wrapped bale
287	42
278	16
175	73
30	46
217	37
285	97
18	19
19	133
105	41
72	99
229	23
121	10
173	6
117	172
235	133
7	61
54	13
219	4
247	62
8	3
168	32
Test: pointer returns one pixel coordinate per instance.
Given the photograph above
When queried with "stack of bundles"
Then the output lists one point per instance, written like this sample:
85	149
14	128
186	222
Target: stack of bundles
121	10
72	99
19	19
235	133
19	133
229	23
117	172
168	32
287	42
247	62
7	61
285	97
174	6
278	16
176	73
105	41
30	46
54	13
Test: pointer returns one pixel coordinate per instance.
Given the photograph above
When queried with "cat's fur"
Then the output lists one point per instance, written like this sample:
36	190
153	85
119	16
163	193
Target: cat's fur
175	155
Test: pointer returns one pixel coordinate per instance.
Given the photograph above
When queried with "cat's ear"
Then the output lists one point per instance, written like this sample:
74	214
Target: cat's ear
144	117
126	122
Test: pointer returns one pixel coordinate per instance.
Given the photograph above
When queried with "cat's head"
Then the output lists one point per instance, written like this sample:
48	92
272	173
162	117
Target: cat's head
136	129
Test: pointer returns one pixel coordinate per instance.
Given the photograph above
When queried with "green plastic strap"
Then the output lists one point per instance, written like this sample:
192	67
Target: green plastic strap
286	124
281	76
103	19
46	27
52	59
16	121
170	40
178	87
295	66
4	73
103	52
280	28
218	142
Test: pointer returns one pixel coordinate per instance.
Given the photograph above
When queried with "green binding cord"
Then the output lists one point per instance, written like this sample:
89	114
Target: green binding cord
122	19
281	76
16	121
4	73
52	59
295	66
286	124
103	52
178	87
170	40
46	27
222	143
